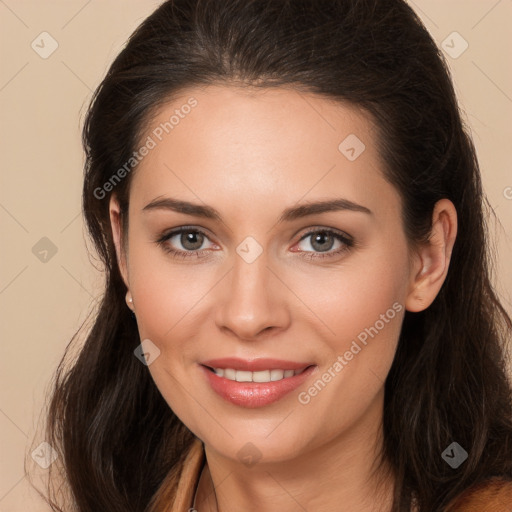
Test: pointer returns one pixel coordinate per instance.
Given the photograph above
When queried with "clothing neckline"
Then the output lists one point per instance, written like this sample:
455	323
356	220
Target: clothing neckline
180	488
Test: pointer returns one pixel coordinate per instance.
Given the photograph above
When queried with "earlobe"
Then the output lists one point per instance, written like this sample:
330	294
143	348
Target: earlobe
117	235
432	258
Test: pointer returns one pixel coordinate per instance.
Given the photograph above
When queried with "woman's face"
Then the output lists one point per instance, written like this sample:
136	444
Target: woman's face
260	273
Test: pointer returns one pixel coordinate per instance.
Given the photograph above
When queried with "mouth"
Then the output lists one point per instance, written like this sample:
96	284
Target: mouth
255	383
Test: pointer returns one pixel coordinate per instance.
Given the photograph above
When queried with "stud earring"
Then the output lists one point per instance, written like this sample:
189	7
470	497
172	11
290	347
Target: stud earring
129	300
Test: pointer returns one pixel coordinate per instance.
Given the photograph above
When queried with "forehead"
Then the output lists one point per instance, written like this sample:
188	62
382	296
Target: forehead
251	144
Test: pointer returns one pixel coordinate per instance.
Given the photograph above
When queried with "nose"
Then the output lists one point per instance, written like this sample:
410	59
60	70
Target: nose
252	300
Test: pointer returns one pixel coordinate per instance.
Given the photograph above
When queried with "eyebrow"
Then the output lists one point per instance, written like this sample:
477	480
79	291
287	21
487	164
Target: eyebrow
288	215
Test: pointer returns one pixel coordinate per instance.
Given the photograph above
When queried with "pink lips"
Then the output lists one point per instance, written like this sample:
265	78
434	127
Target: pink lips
254	394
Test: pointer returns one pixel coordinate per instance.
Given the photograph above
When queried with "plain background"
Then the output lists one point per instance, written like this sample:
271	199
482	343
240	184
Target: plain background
44	297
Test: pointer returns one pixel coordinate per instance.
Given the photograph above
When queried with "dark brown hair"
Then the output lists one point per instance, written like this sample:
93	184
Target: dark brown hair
117	436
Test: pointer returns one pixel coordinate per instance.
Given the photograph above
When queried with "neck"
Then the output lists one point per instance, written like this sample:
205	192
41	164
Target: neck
343	470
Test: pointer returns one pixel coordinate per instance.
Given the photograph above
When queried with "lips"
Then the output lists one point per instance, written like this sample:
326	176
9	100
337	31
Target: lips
251	394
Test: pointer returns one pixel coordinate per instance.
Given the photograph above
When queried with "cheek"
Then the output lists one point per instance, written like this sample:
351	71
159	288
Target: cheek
165	292
363	311
353	296
167	301
362	303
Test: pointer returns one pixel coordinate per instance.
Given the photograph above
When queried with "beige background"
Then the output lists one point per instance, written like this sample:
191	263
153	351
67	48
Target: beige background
42	102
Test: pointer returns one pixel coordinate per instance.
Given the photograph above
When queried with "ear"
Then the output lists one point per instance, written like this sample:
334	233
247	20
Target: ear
117	234
432	258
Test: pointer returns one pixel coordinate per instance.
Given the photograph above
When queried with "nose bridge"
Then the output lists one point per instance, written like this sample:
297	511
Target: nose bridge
251	300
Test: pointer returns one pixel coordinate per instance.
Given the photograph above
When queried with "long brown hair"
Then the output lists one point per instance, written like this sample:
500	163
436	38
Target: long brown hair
116	435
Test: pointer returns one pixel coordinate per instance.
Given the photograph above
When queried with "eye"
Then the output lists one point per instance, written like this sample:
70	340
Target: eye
323	240
191	239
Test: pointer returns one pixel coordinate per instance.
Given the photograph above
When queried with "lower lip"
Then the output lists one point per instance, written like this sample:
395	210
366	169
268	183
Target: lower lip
255	394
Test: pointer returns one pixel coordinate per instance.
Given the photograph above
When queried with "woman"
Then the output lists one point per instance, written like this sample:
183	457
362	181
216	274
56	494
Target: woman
298	312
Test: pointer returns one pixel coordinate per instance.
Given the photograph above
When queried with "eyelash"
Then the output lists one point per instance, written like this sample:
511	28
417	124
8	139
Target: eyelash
347	242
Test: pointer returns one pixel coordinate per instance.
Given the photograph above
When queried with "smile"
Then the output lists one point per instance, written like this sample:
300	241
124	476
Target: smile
254	383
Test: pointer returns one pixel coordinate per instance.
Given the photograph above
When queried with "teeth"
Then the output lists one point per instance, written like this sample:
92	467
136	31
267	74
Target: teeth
229	374
276	374
262	376
243	376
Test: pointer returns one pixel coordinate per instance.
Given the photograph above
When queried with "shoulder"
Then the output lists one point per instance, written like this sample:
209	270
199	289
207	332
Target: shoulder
492	495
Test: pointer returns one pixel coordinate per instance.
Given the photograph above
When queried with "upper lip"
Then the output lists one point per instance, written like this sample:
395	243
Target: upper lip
254	365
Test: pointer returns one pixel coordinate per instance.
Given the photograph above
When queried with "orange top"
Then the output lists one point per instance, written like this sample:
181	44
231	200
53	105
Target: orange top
493	495
176	494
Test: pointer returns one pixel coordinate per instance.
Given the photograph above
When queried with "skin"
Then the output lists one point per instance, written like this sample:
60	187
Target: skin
250	155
